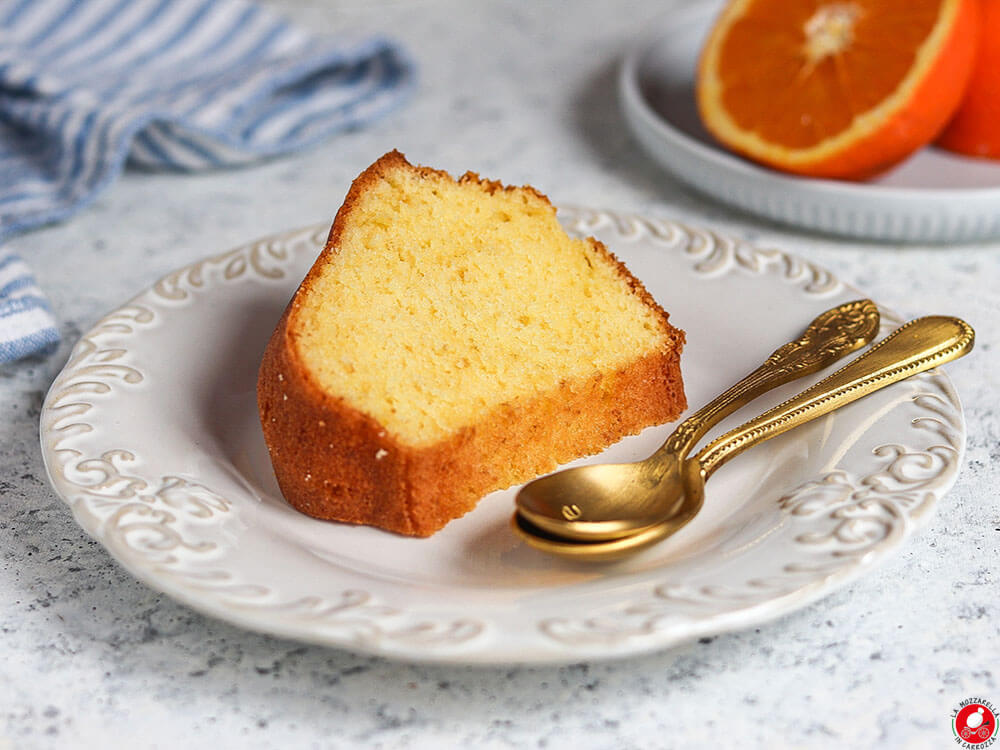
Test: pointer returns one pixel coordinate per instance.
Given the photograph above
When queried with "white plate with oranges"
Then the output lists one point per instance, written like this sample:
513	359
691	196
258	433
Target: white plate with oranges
931	196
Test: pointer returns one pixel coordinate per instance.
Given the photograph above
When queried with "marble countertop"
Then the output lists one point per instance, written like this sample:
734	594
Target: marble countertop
522	92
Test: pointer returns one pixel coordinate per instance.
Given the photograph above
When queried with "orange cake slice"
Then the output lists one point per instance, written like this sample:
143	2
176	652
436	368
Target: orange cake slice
450	340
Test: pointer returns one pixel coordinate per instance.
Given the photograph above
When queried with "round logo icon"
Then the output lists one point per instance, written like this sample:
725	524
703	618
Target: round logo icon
975	723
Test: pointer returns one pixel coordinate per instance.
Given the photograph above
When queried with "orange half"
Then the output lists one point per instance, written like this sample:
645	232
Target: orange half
975	128
831	88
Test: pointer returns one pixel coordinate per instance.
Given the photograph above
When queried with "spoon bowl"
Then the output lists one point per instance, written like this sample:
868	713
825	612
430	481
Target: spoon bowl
689	487
653	490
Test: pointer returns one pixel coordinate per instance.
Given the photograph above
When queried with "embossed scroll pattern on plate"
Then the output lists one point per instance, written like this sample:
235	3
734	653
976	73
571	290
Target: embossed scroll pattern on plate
167	528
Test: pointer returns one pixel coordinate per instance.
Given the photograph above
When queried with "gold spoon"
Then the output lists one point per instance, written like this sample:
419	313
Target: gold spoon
592	503
915	347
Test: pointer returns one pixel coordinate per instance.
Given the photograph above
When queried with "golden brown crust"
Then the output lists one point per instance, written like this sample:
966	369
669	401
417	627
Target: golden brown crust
328	457
519	441
336	463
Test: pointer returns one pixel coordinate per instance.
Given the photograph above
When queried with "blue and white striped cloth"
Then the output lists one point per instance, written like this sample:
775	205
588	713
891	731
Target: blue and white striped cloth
26	322
169	84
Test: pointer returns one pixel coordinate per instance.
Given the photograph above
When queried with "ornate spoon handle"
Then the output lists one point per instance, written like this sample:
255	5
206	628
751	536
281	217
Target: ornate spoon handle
829	337
919	345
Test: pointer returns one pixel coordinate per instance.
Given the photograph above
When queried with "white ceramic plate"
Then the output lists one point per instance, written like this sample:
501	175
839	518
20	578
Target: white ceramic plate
934	196
150	434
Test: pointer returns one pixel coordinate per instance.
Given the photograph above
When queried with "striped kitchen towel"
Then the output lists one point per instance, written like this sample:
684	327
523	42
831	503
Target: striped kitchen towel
170	84
26	323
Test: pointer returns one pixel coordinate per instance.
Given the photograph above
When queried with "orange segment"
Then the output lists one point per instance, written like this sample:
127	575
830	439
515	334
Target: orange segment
834	88
975	129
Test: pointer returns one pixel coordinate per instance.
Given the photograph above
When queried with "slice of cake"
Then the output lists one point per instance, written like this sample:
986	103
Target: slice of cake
451	340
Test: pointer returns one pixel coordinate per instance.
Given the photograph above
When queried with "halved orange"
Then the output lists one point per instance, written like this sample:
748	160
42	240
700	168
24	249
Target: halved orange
835	88
975	128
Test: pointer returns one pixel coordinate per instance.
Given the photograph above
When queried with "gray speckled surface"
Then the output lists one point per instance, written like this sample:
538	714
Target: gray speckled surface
91	658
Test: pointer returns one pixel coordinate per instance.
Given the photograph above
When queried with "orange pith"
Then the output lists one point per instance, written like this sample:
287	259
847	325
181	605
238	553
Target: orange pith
834	88
975	128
